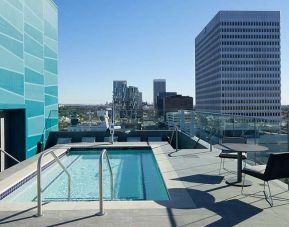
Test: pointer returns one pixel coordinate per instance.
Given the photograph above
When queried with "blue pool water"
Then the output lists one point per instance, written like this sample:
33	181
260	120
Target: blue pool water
135	172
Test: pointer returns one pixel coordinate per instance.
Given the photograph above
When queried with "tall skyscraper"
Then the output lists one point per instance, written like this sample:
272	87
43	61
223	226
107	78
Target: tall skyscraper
159	86
119	97
127	100
238	64
160	101
28	74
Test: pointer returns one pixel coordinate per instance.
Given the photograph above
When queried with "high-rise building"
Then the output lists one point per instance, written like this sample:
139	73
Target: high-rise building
238	64
127	100
119	97
177	102
161	103
28	75
159	86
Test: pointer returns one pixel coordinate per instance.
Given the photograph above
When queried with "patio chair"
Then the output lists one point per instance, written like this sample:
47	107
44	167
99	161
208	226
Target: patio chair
88	139
62	140
133	139
154	139
108	139
231	155
277	167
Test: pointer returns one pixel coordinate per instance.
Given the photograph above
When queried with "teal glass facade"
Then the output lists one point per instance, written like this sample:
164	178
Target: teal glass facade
29	66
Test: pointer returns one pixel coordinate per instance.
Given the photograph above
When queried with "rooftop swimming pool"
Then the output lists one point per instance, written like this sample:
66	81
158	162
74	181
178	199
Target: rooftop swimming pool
136	176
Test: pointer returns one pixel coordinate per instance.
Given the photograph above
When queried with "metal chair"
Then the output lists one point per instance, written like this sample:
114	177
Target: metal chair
62	140
277	167
89	139
231	155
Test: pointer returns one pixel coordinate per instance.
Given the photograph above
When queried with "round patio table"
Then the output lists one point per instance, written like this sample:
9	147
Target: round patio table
239	148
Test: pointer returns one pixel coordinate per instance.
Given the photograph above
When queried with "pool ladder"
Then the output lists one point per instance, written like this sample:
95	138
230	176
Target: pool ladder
39	171
100	185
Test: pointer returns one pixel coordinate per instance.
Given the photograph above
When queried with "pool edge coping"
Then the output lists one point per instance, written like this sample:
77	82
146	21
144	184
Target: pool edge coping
160	151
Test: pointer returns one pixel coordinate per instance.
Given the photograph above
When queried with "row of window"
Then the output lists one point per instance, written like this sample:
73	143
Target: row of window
207	44
261	75
251	88
250	56
213	34
250	30
251	107
254	69
207	81
206	58
250	36
236	52
256	62
252	43
212	67
250	82
251	101
210	101
250	95
250	49
250	23
262	114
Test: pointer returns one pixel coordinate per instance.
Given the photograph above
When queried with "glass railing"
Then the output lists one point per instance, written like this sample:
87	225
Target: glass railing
51	124
212	127
206	126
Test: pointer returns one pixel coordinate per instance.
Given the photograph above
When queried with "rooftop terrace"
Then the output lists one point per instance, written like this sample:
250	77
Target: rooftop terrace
195	173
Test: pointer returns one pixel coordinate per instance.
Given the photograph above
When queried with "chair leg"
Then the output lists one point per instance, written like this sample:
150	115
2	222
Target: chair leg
220	166
243	184
268	197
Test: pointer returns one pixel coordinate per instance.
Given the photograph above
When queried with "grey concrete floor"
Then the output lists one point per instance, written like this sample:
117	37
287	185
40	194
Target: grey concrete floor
218	204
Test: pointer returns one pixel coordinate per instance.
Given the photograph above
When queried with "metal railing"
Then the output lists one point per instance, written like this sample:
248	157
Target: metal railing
102	155
9	155
39	171
175	132
272	133
42	142
111	130
177	138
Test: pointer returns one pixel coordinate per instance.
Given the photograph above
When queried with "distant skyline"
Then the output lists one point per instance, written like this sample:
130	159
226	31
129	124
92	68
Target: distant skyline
139	41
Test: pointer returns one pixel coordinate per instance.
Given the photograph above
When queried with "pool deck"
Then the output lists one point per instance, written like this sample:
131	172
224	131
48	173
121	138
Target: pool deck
202	198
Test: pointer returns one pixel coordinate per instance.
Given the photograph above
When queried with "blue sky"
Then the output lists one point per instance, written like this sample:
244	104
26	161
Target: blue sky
140	40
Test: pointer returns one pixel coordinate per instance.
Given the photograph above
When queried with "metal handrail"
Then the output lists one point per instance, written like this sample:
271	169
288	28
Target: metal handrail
177	138
39	171
104	153
171	140
176	130
111	133
41	141
9	155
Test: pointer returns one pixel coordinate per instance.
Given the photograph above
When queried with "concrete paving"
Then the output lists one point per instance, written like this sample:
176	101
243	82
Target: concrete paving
215	202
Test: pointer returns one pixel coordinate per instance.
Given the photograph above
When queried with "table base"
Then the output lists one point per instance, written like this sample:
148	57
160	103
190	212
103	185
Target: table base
234	181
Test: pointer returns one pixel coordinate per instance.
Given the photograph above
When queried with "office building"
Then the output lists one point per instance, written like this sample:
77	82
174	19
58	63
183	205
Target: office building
158	86
127	101
238	64
133	103
160	101
28	75
177	102
119	97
